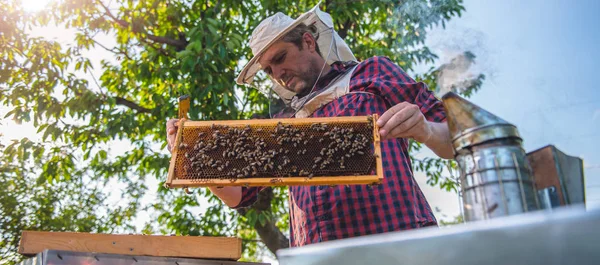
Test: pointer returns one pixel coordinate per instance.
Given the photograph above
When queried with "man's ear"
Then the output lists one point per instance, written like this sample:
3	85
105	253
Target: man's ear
309	42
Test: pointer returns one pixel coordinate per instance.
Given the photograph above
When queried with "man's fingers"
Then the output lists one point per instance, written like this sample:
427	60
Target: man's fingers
404	129
398	118
390	113
171	128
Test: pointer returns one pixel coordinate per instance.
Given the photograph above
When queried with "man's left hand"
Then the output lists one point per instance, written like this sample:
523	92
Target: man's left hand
404	120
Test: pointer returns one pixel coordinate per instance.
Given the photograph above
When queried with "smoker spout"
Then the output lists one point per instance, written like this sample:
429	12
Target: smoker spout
470	124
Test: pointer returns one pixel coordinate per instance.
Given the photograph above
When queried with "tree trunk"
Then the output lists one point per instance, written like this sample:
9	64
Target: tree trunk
270	234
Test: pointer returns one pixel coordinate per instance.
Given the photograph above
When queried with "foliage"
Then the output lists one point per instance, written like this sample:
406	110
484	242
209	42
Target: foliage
108	134
456	221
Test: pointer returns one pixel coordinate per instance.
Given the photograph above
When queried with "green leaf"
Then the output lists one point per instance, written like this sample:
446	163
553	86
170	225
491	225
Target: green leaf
262	220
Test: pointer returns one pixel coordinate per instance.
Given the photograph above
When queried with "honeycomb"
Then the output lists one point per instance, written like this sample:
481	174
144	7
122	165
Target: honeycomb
274	149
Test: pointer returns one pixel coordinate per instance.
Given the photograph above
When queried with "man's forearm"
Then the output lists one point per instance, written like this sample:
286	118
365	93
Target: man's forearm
440	142
232	196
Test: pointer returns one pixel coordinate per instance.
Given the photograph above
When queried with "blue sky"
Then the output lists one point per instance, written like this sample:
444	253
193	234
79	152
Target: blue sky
540	59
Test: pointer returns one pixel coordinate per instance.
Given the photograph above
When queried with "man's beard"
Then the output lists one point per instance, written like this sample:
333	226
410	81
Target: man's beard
306	79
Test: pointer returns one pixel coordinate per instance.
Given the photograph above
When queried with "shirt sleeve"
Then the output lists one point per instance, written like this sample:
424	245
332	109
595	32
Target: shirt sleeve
379	75
249	196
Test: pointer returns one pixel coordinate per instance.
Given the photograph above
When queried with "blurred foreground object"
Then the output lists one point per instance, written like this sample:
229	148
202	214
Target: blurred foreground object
568	235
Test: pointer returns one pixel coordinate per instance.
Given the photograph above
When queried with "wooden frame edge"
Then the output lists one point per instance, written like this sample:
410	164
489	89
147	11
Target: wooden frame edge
287	181
275	121
377	146
279	181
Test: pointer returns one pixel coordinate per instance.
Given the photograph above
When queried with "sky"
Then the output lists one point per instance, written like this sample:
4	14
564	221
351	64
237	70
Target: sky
539	58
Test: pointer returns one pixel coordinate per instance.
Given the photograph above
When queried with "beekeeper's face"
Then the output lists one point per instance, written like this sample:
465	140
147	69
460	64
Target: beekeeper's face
293	68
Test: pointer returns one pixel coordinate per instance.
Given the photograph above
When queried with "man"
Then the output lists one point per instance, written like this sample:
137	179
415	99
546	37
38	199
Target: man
288	52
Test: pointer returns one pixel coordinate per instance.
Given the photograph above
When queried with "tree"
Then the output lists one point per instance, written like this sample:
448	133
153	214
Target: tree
162	50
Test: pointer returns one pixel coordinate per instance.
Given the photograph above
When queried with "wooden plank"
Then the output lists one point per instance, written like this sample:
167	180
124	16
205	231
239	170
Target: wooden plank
292	181
33	242
271	122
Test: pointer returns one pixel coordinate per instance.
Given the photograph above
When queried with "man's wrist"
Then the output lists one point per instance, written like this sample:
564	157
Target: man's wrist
430	130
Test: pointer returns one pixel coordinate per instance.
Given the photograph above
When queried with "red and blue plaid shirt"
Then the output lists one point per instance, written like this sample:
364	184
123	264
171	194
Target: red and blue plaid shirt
322	213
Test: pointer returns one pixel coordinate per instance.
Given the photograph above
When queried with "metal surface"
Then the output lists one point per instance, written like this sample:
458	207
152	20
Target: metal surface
56	257
570	172
495	175
563	236
548	198
495	182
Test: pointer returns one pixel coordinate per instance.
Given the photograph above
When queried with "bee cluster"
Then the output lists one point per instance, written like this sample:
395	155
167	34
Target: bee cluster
281	150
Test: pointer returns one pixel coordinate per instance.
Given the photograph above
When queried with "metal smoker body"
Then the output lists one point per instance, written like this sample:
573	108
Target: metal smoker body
496	177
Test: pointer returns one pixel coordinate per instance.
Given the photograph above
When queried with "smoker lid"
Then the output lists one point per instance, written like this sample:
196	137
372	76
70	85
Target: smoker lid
469	124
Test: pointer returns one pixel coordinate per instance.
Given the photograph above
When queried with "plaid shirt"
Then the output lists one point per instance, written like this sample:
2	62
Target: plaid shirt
322	213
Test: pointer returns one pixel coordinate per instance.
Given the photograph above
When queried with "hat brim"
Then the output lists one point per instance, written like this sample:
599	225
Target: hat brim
252	67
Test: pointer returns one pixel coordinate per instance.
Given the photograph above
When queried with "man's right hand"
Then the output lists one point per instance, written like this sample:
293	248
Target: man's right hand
171	133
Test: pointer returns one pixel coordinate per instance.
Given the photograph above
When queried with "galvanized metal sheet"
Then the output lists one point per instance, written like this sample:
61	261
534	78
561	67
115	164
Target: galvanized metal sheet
59	257
562	236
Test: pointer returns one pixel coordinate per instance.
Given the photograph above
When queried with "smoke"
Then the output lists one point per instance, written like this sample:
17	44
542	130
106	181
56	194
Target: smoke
465	55
457	75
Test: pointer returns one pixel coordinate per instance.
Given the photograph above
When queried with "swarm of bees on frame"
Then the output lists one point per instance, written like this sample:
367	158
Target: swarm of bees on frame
284	150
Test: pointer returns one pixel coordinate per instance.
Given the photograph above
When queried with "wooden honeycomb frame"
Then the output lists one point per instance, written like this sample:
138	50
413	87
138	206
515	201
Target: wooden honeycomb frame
174	179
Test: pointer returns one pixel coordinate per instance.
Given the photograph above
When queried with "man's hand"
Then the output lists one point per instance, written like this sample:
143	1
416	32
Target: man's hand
171	133
404	120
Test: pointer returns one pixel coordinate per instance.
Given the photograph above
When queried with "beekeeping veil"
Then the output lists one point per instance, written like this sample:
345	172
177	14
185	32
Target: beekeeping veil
270	30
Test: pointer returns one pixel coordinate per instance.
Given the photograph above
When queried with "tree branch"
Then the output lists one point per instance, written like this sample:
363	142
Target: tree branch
216	8
161	50
131	105
179	44
343	31
113	50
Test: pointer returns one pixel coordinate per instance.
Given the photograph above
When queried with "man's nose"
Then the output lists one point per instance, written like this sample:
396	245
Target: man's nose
278	73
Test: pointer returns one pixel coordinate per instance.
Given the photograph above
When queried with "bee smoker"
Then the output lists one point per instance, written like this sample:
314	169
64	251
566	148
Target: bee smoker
496	178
